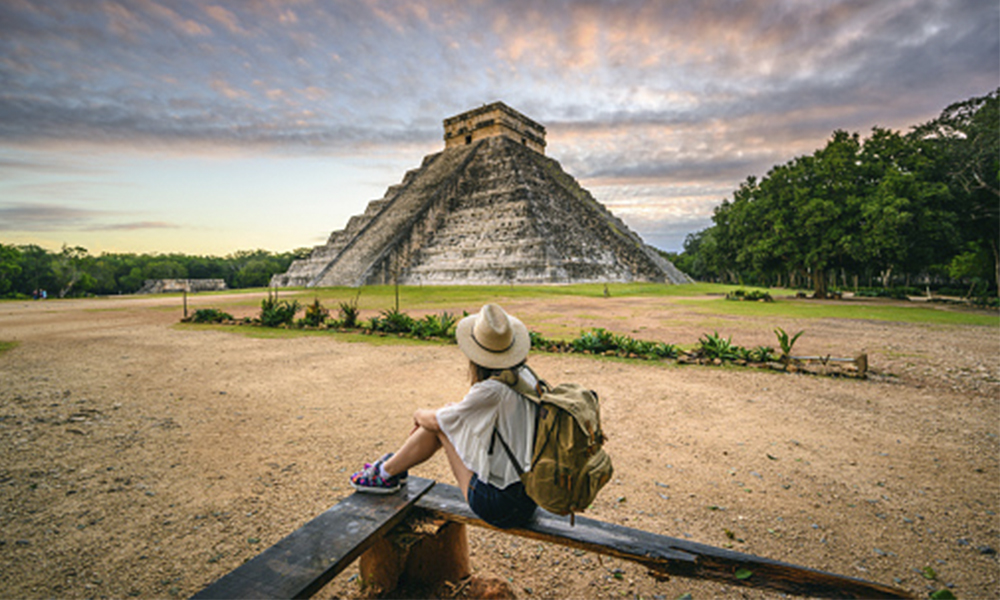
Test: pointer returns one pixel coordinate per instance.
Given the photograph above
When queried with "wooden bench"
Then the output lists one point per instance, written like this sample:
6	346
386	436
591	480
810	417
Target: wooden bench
308	558
303	562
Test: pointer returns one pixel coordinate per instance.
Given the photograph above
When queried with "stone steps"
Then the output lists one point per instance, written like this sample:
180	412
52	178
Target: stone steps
403	202
485	213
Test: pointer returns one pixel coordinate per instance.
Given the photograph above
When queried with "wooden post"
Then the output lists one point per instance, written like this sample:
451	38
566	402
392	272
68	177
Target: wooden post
421	553
861	361
185	304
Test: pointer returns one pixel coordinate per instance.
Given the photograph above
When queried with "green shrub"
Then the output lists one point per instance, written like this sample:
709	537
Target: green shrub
210	315
762	354
751	296
896	293
434	326
786	342
316	314
349	313
392	321
274	312
987	301
595	341
664	350
713	346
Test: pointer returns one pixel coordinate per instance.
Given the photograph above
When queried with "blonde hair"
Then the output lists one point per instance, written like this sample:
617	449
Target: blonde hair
479	373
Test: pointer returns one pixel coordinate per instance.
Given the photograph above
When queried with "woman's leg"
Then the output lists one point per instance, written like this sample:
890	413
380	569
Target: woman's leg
462	473
420	446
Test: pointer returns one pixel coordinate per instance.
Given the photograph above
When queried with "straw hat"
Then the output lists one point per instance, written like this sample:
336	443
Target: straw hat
493	339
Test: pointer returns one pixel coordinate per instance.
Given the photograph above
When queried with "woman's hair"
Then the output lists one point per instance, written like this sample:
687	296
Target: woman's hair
479	373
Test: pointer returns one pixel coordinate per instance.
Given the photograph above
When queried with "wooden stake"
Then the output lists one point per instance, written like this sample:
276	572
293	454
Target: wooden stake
421	553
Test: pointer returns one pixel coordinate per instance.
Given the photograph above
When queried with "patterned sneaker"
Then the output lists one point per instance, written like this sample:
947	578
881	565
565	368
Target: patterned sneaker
402	476
369	481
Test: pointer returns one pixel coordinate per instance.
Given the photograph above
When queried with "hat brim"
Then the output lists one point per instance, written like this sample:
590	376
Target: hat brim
510	357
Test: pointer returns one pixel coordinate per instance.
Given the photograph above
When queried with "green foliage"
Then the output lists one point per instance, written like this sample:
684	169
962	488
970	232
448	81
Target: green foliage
786	342
431	326
885	207
391	321
602	341
74	272
10	267
349	312
896	293
5	346
760	354
540	341
749	296
274	312
210	315
714	346
435	326
595	341
316	314
67	267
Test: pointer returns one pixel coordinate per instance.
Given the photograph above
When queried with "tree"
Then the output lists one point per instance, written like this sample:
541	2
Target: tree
10	267
67	268
166	268
964	141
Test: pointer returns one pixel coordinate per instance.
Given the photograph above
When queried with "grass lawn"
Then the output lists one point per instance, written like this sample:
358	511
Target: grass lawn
706	300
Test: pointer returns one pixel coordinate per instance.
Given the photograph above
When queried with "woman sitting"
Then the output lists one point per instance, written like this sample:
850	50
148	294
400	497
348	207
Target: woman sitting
497	346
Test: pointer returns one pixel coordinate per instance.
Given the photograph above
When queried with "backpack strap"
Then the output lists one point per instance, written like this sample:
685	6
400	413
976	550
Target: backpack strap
533	395
506	448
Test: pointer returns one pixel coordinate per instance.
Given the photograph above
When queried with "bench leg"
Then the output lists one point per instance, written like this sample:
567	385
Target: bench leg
420	555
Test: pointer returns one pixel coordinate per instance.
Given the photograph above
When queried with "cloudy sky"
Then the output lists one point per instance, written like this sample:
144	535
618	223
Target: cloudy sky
213	126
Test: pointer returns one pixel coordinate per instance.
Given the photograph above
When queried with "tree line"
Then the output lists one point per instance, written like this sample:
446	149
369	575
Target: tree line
72	271
890	209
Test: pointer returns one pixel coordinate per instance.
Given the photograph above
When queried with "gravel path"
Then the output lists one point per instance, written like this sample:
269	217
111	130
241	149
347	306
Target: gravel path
138	458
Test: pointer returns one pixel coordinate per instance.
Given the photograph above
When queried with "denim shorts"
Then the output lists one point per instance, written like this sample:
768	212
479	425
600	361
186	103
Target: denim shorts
503	508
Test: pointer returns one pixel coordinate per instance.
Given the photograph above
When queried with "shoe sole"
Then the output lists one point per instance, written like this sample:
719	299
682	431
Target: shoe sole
374	490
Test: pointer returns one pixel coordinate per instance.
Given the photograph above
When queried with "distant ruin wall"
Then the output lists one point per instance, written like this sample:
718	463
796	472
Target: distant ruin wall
166	286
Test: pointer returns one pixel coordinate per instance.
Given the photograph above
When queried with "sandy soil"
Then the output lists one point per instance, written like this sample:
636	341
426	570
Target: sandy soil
141	459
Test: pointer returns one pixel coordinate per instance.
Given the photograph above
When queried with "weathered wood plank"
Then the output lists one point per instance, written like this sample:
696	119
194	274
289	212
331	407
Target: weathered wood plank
667	555
308	558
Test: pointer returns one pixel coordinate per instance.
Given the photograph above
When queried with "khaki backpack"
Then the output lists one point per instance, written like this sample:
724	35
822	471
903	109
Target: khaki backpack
569	465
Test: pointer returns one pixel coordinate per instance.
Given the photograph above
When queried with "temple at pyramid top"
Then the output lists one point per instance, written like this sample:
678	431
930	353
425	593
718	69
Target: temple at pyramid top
492	120
491	209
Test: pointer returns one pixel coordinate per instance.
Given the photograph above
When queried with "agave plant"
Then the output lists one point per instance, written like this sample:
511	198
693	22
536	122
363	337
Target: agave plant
274	312
714	346
663	350
349	314
786	342
394	321
210	315
316	314
595	341
434	326
538	340
762	354
446	325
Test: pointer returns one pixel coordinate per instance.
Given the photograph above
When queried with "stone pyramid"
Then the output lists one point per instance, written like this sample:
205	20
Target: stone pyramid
490	208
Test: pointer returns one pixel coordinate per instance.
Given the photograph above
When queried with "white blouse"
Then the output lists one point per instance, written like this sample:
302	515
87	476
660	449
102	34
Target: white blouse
469	425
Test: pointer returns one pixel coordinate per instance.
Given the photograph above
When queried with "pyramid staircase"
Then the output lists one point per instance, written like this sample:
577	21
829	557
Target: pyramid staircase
489	212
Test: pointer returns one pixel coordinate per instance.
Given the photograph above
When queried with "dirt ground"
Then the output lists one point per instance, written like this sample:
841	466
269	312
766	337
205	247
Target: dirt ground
143	459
